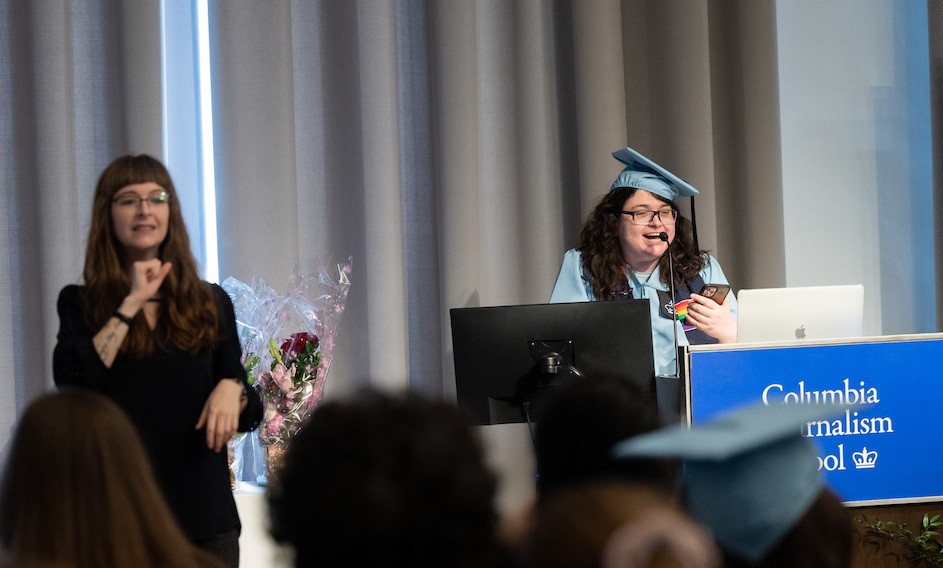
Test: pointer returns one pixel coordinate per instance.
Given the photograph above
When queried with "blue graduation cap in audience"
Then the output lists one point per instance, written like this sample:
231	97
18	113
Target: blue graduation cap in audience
748	475
642	173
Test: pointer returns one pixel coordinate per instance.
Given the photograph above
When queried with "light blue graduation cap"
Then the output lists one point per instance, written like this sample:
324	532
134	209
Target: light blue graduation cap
642	173
748	475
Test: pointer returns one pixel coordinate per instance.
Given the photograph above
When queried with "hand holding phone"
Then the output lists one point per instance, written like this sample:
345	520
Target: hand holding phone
716	292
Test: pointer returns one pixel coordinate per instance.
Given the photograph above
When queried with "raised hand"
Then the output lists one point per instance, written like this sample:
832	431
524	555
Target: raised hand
147	276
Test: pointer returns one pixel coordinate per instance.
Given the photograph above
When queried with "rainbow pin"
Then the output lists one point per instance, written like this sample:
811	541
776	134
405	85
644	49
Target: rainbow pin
681	308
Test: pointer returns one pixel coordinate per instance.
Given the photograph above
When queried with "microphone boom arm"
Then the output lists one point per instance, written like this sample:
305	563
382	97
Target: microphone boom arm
671	284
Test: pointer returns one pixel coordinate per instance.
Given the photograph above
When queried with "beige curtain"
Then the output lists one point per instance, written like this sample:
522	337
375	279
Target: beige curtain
453	148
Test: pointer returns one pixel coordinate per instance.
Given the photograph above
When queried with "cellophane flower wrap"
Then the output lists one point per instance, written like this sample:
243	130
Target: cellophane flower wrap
287	341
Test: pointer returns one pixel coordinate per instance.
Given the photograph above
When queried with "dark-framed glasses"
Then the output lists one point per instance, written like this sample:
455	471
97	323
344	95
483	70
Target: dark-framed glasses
133	200
644	217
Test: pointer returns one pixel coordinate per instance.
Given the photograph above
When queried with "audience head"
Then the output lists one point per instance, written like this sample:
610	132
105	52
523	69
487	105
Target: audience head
752	478
78	491
386	480
579	421
615	524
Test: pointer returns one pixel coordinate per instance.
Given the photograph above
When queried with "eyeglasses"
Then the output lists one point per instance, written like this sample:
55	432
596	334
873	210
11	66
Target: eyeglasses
133	200
666	216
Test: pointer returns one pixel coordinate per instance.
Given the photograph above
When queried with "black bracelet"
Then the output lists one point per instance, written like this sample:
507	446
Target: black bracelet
122	317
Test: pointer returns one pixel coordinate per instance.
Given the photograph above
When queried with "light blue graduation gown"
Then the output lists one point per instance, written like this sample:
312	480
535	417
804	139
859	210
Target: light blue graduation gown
571	287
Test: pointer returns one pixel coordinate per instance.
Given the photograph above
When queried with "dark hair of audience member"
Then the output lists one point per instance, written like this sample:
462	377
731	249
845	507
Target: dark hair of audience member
78	491
384	480
822	538
611	524
577	424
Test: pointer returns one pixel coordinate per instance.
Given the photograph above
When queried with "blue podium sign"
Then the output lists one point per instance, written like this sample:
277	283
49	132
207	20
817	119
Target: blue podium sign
889	452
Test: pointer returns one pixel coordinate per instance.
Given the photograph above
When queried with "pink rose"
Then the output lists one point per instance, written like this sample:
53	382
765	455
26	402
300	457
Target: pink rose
282	377
275	424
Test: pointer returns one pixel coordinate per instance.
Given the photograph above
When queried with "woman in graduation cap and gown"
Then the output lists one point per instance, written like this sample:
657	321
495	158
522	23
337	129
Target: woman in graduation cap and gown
622	255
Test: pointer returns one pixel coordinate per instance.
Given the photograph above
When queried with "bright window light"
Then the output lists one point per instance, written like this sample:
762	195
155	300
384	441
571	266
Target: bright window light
206	149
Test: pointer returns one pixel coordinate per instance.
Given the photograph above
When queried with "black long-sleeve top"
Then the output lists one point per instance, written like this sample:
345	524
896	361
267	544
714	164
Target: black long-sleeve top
164	394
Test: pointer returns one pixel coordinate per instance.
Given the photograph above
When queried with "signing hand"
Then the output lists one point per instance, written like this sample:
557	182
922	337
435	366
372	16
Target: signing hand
146	278
712	318
221	413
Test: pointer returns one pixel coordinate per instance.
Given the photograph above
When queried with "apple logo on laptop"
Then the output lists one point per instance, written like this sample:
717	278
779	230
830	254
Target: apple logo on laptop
800	332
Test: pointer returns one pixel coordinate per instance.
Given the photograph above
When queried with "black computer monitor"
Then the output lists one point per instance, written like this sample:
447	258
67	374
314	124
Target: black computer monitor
506	356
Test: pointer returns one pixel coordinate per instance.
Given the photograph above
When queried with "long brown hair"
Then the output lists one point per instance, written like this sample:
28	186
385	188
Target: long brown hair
584	525
603	264
188	315
78	491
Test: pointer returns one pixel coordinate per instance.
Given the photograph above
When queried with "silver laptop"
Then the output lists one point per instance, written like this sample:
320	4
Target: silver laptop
801	312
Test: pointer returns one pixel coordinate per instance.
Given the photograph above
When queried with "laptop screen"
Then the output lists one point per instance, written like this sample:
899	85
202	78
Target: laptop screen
800	312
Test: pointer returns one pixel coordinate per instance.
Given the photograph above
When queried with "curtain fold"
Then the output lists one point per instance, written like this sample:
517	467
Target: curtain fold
419	201
253	127
456	176
601	102
745	128
384	262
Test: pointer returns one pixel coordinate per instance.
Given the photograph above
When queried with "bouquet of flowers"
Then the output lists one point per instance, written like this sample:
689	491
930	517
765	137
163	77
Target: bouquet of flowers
287	341
291	389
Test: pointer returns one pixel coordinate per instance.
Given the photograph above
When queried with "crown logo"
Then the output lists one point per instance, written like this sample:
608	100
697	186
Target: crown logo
865	459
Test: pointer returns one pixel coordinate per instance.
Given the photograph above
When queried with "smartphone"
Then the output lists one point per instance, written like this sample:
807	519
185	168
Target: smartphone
716	292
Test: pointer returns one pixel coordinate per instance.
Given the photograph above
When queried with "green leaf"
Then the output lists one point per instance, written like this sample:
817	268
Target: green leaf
273	349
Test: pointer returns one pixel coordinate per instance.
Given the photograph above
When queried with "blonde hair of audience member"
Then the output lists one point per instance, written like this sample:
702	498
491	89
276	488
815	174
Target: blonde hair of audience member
615	524
78	491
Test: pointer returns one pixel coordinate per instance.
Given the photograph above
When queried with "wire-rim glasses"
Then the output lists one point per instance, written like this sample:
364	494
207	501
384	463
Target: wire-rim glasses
133	200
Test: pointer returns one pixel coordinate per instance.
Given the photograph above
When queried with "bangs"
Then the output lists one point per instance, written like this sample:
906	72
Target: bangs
134	169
